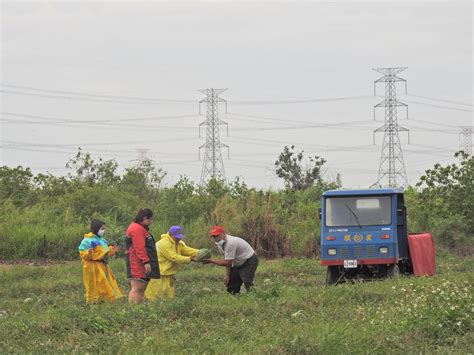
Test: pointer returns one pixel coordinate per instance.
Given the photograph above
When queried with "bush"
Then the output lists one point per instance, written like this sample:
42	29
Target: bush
46	216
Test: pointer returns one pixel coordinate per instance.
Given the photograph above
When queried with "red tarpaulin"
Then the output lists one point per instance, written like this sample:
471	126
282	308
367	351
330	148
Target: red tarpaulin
422	253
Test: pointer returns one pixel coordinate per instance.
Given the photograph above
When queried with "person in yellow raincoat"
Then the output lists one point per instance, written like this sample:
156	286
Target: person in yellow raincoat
99	280
172	252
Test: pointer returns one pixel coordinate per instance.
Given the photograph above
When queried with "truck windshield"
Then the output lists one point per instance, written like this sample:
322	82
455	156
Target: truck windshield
358	211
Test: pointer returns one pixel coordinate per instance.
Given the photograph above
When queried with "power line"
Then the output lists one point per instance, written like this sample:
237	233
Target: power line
431	147
284	128
290	121
441	100
171	117
36	150
433	123
79	123
83	96
114	97
255	163
423	129
75	95
111	120
298	101
72	152
86	144
248	163
438	106
260	119
266	142
47	120
435	151
72	98
283	124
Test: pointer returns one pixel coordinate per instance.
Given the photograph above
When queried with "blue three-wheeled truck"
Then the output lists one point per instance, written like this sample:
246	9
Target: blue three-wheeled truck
364	235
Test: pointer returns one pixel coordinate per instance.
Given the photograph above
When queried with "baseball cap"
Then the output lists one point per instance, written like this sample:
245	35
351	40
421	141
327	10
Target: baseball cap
176	231
216	230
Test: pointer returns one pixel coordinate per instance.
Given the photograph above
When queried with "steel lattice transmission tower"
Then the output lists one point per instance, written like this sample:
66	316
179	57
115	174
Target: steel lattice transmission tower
212	166
392	171
142	155
466	139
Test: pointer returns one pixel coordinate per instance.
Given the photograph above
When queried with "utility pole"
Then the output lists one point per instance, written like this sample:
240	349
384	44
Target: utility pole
465	136
391	164
213	166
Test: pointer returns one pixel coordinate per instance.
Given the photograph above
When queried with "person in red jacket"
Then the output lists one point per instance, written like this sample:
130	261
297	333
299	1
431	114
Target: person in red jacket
141	256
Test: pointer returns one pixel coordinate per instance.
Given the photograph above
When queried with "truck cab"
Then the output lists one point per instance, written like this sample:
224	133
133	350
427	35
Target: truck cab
364	234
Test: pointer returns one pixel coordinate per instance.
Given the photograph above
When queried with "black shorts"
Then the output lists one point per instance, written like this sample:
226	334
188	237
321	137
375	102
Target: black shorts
243	274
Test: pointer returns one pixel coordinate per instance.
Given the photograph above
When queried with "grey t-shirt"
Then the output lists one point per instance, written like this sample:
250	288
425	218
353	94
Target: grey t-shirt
236	249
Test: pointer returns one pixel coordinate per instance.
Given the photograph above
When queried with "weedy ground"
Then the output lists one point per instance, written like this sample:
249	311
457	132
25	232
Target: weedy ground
42	309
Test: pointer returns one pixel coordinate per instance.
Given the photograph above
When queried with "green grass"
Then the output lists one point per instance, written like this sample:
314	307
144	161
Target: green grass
291	311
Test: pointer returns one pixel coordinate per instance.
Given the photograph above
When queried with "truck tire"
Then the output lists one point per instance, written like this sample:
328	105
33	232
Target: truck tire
393	271
332	275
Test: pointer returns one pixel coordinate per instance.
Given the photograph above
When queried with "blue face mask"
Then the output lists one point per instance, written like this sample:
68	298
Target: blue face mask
220	242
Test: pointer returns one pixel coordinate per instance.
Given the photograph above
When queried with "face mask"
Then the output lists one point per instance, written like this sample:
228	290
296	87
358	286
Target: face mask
101	233
220	242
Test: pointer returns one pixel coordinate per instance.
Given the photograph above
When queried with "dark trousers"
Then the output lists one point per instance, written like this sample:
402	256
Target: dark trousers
243	274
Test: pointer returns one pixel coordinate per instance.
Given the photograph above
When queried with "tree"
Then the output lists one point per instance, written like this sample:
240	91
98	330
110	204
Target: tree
16	185
239	189
454	184
51	186
180	203
90	172
448	193
289	167
143	180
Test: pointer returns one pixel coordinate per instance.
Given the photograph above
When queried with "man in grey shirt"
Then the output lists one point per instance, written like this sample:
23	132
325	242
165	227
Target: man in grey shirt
240	260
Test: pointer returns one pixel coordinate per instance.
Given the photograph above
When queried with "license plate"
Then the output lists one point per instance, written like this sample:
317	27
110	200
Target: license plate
350	264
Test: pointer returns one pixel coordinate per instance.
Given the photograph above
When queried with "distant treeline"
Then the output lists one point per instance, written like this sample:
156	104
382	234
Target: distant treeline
45	216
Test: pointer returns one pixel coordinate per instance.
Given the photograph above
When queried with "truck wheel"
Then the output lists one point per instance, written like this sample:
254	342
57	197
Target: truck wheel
332	275
393	271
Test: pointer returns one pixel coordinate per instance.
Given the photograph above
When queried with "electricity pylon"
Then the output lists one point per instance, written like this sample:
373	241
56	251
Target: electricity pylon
213	166
391	164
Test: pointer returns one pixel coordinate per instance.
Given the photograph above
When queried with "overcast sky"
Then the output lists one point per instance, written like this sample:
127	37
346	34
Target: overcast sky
263	53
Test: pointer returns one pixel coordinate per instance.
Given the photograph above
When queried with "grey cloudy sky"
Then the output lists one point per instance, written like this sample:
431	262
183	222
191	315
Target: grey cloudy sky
259	51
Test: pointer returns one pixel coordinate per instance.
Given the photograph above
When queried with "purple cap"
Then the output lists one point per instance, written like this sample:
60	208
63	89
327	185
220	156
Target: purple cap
176	232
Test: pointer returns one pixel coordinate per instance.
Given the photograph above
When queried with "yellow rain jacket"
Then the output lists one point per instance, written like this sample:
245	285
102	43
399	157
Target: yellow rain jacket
170	257
99	280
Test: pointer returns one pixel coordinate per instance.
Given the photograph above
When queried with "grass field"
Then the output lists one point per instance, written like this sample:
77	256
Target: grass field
291	311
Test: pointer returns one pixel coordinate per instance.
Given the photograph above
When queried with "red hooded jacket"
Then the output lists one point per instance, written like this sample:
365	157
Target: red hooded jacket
141	250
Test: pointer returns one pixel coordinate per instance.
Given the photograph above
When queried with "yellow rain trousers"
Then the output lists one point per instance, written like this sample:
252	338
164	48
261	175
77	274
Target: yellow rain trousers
170	257
99	280
161	288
